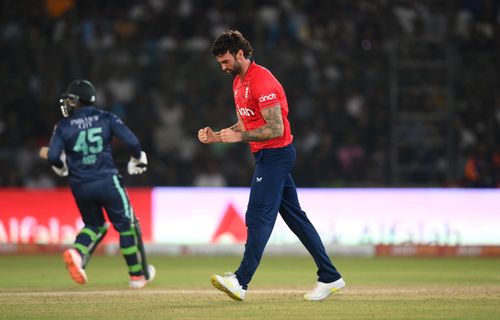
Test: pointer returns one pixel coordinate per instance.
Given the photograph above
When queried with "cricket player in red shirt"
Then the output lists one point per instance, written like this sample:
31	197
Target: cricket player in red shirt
262	111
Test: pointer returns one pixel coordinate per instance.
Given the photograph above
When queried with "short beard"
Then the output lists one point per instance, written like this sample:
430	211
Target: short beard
236	69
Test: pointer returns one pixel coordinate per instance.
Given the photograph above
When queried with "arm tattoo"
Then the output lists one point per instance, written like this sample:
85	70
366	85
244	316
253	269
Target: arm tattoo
272	129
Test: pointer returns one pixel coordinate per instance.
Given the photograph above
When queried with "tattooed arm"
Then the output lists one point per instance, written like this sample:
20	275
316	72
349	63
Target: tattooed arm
272	129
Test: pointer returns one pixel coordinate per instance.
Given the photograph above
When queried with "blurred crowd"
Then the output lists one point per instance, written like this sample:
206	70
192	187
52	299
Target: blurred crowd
151	64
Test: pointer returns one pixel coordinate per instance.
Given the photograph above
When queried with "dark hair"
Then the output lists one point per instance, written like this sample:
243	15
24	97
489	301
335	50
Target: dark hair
232	41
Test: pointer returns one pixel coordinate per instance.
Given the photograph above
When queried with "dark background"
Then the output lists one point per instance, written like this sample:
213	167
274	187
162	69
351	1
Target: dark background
381	93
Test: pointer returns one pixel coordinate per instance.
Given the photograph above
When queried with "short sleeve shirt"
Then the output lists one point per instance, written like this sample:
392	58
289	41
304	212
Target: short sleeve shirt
257	91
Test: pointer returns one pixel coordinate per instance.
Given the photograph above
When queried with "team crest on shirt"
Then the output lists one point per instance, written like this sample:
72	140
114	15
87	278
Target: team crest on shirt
247	90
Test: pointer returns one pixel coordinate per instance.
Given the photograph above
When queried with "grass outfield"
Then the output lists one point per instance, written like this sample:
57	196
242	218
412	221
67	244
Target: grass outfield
38	287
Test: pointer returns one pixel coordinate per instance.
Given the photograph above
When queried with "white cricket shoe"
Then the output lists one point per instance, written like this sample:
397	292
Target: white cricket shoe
73	262
230	285
324	290
139	282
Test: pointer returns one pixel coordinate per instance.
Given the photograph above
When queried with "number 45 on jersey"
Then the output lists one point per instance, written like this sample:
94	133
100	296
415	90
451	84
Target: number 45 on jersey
89	143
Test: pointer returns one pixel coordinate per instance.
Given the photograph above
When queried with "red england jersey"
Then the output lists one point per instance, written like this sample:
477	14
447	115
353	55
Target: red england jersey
259	90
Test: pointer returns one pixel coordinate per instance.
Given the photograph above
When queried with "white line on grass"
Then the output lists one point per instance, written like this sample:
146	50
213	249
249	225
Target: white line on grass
350	291
143	292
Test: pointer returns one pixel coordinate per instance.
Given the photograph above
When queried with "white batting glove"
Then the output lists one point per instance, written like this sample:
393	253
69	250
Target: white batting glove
137	166
63	172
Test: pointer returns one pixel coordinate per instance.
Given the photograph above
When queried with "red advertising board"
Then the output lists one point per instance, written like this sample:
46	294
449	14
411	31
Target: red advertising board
52	217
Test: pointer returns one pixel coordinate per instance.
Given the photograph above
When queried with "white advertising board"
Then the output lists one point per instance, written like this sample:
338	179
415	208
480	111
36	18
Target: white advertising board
341	216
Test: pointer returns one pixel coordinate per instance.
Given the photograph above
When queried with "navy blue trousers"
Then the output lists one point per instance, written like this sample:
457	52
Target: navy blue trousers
272	191
92	198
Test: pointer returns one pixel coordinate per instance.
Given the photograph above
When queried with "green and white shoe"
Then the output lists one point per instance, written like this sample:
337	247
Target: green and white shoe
229	284
324	290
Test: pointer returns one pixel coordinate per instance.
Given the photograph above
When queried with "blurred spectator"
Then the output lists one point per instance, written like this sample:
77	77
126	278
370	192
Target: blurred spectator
153	63
38	178
482	168
210	175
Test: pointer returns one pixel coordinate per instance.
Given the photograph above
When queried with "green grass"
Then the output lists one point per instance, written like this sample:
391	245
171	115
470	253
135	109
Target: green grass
38	287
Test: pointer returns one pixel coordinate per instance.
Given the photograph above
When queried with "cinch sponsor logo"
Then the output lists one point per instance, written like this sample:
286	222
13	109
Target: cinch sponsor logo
269	97
245	112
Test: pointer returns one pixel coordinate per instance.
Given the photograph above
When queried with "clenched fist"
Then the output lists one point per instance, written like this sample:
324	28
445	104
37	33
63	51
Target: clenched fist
206	135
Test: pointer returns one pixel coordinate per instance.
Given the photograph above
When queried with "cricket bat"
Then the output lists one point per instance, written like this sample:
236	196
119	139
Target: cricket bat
140	245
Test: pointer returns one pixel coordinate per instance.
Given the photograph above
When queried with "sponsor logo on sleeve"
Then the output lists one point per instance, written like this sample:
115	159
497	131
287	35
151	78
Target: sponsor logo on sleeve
269	97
